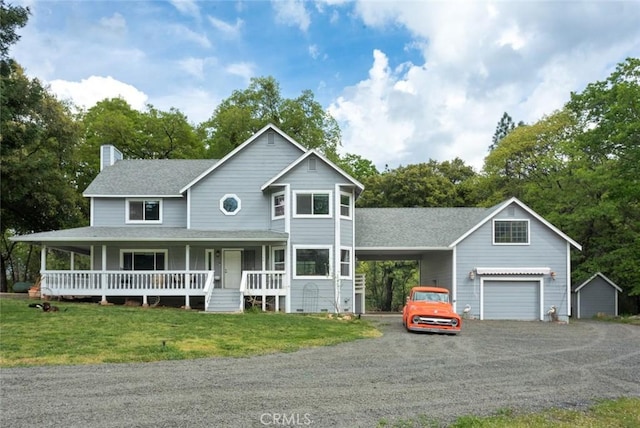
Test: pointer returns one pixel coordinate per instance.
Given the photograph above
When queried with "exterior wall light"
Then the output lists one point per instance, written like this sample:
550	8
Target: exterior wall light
553	275
472	275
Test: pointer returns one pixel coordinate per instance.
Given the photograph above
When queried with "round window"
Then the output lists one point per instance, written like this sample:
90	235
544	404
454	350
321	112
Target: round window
230	204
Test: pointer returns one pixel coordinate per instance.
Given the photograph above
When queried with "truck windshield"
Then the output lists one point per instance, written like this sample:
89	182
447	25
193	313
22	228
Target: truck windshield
430	296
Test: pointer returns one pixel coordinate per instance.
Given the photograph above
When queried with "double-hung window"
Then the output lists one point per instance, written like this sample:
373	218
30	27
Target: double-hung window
144	211
312	204
345	263
278	205
345	205
511	232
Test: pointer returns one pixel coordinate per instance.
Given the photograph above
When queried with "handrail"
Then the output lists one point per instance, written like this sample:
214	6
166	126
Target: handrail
208	289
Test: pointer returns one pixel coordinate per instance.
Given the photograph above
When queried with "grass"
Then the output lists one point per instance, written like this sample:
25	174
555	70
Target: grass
83	333
622	319
620	413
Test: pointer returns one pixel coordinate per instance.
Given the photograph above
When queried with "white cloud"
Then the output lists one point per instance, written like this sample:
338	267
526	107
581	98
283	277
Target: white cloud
373	129
188	34
227	29
187	7
116	23
242	69
292	13
88	92
314	51
522	58
193	66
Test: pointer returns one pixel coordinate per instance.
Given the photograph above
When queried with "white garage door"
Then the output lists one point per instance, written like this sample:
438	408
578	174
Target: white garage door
511	300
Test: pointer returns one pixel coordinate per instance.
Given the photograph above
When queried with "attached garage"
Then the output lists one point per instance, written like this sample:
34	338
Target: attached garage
511	299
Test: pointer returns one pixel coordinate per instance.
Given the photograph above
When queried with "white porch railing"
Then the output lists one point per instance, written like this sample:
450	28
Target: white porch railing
124	283
263	283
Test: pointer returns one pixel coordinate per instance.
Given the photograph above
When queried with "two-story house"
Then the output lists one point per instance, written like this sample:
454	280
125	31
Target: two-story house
275	223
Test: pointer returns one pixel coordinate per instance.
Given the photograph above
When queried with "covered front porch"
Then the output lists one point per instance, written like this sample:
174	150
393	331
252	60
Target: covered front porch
220	270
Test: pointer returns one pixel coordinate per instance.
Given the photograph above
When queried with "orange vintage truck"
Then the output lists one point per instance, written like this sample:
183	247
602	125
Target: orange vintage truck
429	309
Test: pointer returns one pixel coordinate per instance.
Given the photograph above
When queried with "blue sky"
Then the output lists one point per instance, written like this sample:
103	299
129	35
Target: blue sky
406	80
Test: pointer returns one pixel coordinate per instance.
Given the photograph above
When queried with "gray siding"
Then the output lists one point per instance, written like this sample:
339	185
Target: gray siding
597	296
546	249
112	212
242	175
312	295
436	268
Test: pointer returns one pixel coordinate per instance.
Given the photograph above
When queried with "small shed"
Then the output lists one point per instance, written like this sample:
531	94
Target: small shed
597	294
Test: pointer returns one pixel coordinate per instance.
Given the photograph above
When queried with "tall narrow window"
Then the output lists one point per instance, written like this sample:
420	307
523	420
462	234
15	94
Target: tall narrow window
345	263
278	205
345	205
278	259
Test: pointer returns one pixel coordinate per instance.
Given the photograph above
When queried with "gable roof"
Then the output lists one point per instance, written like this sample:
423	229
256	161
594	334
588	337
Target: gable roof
231	154
413	228
492	212
292	165
147	177
601	275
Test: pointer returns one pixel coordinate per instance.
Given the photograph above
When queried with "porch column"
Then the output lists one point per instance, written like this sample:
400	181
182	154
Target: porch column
187	277
103	279
43	268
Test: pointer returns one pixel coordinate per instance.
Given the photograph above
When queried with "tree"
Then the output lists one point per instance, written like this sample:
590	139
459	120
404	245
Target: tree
39	140
606	158
430	184
11	18
150	134
245	112
505	126
357	166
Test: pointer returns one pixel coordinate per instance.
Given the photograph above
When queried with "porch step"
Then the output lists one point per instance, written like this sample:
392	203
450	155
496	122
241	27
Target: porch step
224	300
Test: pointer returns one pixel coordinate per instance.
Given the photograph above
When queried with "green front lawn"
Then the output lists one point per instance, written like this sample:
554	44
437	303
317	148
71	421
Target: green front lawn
83	333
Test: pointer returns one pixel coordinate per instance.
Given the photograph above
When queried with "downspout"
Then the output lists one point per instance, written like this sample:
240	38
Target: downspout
454	279
103	277
43	268
336	248
187	276
568	281
288	255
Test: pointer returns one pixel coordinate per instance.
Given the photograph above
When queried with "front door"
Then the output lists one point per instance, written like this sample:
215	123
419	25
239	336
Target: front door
232	268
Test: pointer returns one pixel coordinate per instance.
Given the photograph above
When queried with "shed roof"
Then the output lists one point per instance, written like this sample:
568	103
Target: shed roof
594	276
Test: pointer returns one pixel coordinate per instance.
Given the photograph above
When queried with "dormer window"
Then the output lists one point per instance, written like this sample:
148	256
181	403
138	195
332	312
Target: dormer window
144	211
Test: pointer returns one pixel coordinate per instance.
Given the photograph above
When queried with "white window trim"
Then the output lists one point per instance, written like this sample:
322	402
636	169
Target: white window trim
143	250
273	206
493	231
233	196
273	258
126	214
312	192
350	250
311	247
350	195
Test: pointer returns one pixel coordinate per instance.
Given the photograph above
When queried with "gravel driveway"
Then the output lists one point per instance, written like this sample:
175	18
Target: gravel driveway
490	366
